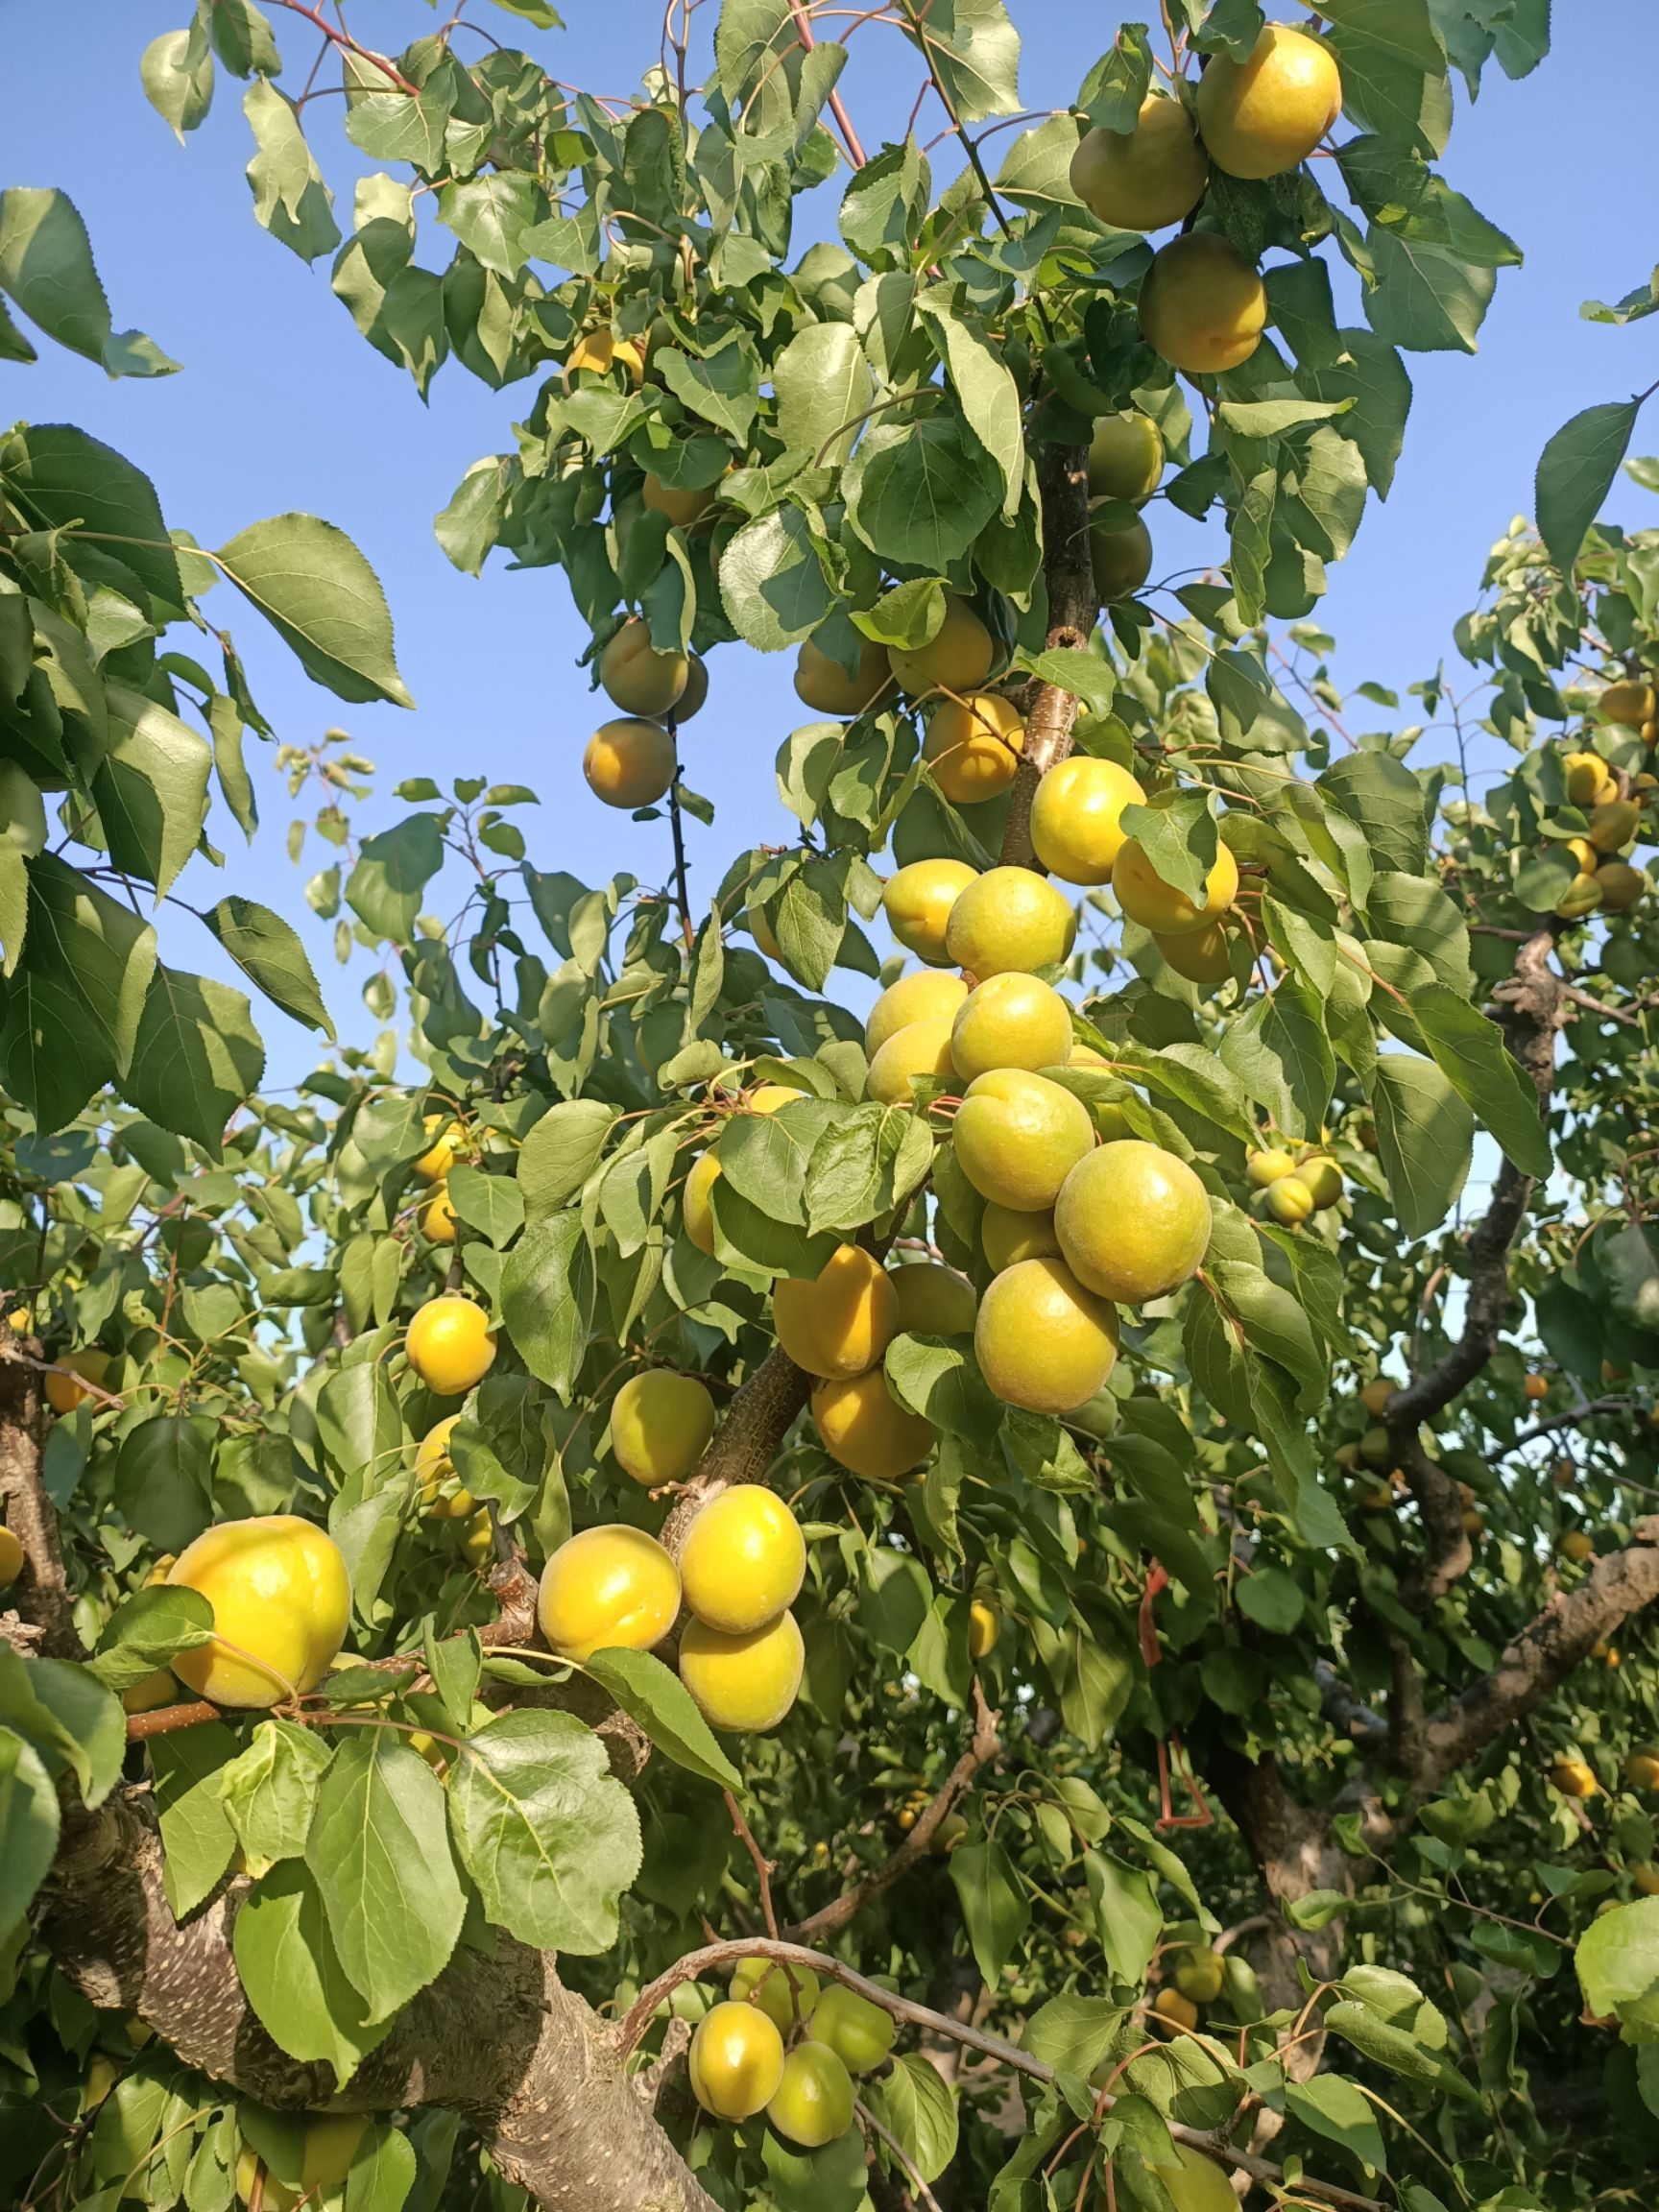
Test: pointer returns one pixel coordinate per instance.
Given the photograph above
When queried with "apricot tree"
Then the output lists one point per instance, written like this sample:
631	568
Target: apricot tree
718	1602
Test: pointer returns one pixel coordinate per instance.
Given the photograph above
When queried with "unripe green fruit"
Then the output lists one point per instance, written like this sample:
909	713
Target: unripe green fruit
812	2103
859	2032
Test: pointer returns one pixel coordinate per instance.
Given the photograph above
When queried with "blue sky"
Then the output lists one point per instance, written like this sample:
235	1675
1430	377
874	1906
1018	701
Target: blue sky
281	405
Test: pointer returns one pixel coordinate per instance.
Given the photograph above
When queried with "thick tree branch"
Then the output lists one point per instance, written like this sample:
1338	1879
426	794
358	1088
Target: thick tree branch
1074	608
40	1595
747	1441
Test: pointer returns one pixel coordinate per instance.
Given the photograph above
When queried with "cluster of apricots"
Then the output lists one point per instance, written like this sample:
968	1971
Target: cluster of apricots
1618	810
451	1347
630	760
782	2045
1292	1186
449	1142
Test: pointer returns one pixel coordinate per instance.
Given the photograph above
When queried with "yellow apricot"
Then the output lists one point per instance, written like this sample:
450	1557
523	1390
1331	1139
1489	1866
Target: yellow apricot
743	1559
1613	823
1009	918
1133	1221
973	746
438	1217
696	692
1579	1544
771	1097
1203	306
1010	1021
1043	1340
812	2103
1077	817
1620	886
858	2031
933	1300
1018	1136
736	2060
635	677
1179	2011
281	1598
821	684
1145	897
661	1424
1581	896
1007	1236
1120	558
1194	2183
917	903
448	1139
761	930
62	1393
606	1586
10	1558
1376	1395
984	1627
450	1345
432	1462
1125	457
1588	780
1573	1778
1628	704
788	1994
1264	1167
601	350
1202	954
152	1693
1642	1769
1289	1201
695	1210
1266	114
923	996
1322	1176
629	762
864	1429
1143	178
841	1321
684	508
748	1682
920	1052
957	658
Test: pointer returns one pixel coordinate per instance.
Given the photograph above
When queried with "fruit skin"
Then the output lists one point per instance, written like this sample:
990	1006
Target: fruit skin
1573	1778
1122	559
1289	1201
1376	1395
600	350
433	1465
1579	1544
152	1693
629	762
923	996
1145	897
635	677
1197	2184
1010	1021
1375	1450
1588	780
63	1393
1007	1236
771	1097
1202	955
1078	816
838	1323
660	1426
1200	1975
736	2060
786	1994
1620	886
1018	1136
864	1429
435	1162
743	1559
694	1208
933	1300
984	1626
1323	1178
1642	1769
1043	1340
1143	178
684	508
607	1585
957	658
1628	704
821	684
812	2104
279	1592
745	1683
1009	918
1613	822
696	692
1133	1221
438	1217
1646	1878
1537	1387
451	1346
11	1558
1264	1167
917	903
1264	115
973	746
859	2032
1180	2011
1203	306
1581	896
1125	457
918	1053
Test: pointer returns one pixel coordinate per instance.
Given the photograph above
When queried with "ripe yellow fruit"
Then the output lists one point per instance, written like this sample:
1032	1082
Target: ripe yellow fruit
1145	897
1203	306
1322	1176
10	1558
1122	559
924	995
838	1323
917	903
660	1424
1629	703
63	1393
1589	780
1537	1387
450	1345
281	1598
1125	456
1196	2183
745	1683
1573	1778
433	1465
918	1054
601	350
771	1097
1043	1340
1376	1395
695	1210
1581	896
984	1626
1620	886
152	1693
1010	1021
786	1994
1642	1769
629	762
1133	1221
1264	1167
864	1429
635	677
743	1559
933	1300
438	1217
1179	2011
1077	817
736	2060
1579	1544
1289	1201
812	2103
1007	1236
858	2031
761	930
685	508
448	1139
1613	823
1264	115
1018	1136
958	658
1143	178
1009	918
973	746
607	1585
1203	955
821	684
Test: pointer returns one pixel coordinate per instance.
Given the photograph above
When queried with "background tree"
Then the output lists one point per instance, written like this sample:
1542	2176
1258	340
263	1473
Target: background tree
1181	1670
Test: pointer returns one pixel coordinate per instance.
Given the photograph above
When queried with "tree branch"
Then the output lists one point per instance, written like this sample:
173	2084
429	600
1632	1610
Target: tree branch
40	1594
1073	610
747	1441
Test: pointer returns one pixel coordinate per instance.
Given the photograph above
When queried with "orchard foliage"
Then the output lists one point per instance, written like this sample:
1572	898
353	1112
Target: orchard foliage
1237	1759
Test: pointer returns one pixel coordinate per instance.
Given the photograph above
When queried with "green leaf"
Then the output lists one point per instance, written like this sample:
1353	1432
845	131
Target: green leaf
177	73
1271	1598
151	788
196	1058
1618	1965
546	1832
1470	1054
163	1478
292	1975
772	583
269	1790
46	268
324	600
1381	797
1178	839
1274	1324
1424	298
940	1381
1576	473
1393	69
29	1823
560	1152
491	1204
824	387
389	880
62	476
196	1835
268	951
1337	2110
146	1631
73	1011
1112	93
548	1288
491	214
973	51
985	389
863	1165
919	494
1425	1136
242	38
918	2109
655	1697
290	197
89	1717
995	1905
1126	1913
381	1861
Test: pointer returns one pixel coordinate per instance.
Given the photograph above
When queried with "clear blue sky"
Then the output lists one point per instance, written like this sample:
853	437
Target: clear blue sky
280	405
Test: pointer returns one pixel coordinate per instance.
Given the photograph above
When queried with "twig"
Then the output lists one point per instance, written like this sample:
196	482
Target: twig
803	24
349	45
762	1865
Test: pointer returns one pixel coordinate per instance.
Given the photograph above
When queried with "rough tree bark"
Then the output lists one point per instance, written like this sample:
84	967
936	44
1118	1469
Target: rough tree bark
1073	610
